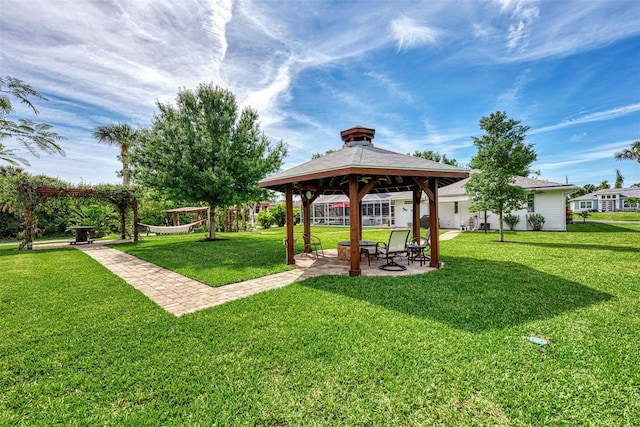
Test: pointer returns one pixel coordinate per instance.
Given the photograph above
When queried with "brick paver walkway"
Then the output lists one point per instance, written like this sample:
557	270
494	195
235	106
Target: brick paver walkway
180	295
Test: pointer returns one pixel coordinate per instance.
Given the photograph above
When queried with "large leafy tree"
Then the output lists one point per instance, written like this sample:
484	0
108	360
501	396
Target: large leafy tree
631	153
120	135
502	155
35	137
204	150
436	157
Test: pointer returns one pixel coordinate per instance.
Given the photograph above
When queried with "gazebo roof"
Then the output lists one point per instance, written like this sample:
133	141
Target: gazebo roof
358	156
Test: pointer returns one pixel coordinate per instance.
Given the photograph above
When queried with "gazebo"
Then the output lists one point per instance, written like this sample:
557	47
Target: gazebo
357	169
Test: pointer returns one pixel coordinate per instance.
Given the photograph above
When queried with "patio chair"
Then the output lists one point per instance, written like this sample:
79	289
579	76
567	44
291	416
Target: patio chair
418	246
311	244
396	246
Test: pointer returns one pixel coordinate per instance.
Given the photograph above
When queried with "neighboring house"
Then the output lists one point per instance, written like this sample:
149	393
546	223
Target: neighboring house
607	200
395	209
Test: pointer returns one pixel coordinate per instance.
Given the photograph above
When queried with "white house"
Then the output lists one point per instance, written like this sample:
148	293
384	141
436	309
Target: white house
607	200
395	209
545	197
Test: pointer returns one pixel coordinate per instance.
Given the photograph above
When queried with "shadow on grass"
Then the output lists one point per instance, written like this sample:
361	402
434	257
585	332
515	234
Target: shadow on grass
469	294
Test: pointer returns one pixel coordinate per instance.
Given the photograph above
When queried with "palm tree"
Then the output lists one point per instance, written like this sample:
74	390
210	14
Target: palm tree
121	135
35	137
8	156
632	153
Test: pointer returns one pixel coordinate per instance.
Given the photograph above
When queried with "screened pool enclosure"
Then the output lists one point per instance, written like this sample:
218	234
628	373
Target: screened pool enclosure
377	210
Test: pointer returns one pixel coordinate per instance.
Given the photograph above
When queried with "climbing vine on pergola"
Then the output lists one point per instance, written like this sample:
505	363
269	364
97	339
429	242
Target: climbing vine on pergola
34	190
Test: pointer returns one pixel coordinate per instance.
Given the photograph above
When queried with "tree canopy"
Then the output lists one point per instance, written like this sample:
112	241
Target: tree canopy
502	155
204	150
34	137
436	157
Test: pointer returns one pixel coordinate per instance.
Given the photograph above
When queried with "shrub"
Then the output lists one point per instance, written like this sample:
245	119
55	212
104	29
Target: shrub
279	214
265	219
536	221
511	220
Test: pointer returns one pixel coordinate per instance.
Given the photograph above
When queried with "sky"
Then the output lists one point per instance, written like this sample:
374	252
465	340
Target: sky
421	73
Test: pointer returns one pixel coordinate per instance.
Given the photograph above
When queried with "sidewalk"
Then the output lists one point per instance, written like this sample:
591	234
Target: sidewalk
180	295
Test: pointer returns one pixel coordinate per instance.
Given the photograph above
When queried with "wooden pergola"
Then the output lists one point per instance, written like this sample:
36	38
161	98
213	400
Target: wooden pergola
123	199
188	210
357	169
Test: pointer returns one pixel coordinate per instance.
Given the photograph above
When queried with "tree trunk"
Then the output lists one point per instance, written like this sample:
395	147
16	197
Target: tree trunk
124	153
501	231
212	221
29	228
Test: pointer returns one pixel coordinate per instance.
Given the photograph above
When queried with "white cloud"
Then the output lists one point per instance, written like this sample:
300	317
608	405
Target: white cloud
590	118
409	34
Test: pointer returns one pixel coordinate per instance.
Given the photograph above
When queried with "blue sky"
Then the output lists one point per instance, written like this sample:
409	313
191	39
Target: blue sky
422	73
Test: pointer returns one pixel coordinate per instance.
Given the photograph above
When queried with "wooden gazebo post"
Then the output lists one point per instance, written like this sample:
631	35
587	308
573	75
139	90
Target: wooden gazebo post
354	226
289	222
433	218
417	194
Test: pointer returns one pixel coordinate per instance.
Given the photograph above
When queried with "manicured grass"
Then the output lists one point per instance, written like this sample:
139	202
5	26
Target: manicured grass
236	256
609	216
79	346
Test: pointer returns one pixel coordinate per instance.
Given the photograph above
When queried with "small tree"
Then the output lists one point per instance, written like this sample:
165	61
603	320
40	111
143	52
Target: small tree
619	179
202	150
502	155
584	215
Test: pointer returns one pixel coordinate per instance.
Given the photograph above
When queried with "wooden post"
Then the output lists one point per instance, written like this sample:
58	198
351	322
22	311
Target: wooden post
433	214
354	226
417	193
306	220
289	223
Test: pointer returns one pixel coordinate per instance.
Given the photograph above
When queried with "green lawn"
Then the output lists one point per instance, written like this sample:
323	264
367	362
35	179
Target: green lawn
80	347
236	256
609	216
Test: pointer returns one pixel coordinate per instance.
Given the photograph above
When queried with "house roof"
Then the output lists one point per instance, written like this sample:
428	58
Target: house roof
457	189
623	192
360	157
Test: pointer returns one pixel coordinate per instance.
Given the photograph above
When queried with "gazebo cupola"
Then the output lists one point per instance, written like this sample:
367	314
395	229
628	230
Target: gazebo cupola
355	170
357	136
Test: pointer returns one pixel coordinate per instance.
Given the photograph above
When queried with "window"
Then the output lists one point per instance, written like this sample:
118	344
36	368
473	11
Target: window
455	207
530	204
586	204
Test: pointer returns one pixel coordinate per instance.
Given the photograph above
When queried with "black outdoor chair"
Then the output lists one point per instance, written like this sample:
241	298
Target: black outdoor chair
396	246
418	246
312	244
